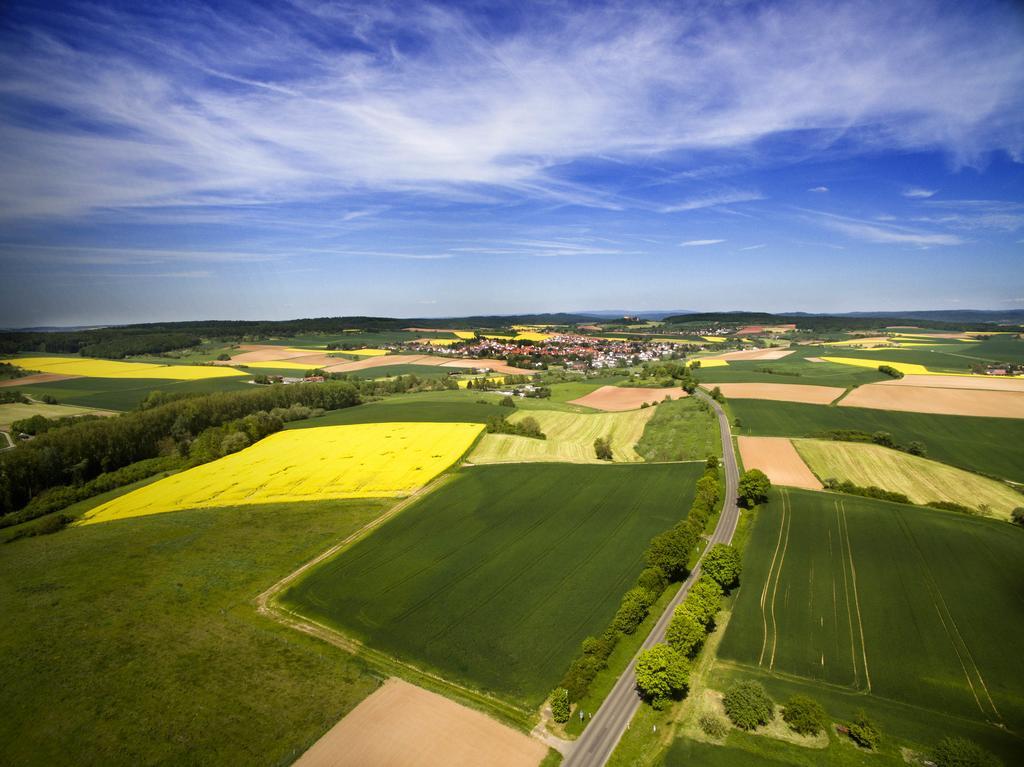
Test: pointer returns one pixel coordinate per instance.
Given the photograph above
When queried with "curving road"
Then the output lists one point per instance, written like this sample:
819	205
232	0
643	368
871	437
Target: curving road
595	746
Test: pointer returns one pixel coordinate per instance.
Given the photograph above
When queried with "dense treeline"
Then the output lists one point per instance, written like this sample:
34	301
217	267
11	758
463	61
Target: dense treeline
109	343
825	323
667	559
75	454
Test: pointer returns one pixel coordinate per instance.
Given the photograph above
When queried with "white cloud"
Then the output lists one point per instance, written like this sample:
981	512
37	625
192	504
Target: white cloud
754	247
887	234
919	193
195	110
975	214
711	201
698	243
818	189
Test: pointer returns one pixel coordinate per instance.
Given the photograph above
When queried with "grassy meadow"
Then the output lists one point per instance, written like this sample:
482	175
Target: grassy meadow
517	563
885	600
440	407
920	479
137	642
680	430
125	393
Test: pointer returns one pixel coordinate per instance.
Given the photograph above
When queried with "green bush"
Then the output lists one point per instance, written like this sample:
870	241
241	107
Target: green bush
634	608
748	706
560	705
723	564
661	674
603	449
713	725
863	731
804	715
653	579
753	488
960	752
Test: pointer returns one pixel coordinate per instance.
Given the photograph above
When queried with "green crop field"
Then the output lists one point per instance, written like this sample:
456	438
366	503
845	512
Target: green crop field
137	642
680	430
439	407
495	578
884	599
422	371
126	393
920	479
792	369
16	411
987	445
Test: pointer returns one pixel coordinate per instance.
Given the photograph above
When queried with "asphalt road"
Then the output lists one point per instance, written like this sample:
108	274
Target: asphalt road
595	746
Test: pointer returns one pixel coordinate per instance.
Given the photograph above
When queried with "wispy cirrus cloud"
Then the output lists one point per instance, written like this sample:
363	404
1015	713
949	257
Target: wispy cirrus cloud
818	189
111	109
884	234
919	193
699	243
711	201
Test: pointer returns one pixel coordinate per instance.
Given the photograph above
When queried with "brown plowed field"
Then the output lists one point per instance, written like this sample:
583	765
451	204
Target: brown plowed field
262	353
814	395
777	458
38	378
752	354
992	383
926	399
616	398
498	366
401	724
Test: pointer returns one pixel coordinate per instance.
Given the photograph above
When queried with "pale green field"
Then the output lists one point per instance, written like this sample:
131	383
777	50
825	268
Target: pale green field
16	411
570	437
920	479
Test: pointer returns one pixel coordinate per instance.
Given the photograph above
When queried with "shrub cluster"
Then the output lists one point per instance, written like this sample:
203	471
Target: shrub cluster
804	715
603	449
713	725
863	731
748	706
39	424
960	752
667	559
693	619
868	492
12	396
883	438
889	370
527	427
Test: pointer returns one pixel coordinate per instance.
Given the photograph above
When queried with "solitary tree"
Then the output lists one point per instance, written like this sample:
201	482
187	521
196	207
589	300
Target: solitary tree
662	674
603	449
753	488
1018	516
723	564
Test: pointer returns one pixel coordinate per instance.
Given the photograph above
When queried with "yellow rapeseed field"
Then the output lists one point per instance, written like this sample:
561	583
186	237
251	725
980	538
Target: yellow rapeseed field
91	368
463	383
468	335
907	368
280	365
711	363
367	352
373	460
439	341
714	339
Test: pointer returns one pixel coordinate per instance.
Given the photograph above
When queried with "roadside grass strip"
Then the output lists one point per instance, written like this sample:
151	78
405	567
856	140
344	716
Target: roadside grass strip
920	479
570	437
333	462
94	368
889	600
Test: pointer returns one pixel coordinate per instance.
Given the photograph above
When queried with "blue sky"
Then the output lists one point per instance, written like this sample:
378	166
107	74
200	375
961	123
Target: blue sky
186	160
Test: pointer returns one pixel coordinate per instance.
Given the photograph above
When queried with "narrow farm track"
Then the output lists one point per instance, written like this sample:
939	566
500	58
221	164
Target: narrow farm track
595	746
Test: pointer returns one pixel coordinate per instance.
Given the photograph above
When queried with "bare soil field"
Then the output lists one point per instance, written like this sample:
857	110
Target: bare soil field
499	366
813	395
991	383
814	359
753	354
616	398
777	458
926	399
38	378
263	353
404	724
383	361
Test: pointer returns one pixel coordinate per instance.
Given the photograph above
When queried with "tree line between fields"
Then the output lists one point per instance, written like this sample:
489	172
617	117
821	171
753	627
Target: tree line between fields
668	560
72	459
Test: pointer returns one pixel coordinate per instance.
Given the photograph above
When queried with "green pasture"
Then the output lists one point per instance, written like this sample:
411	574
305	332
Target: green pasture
680	430
886	600
125	393
137	641
442	407
789	371
495	578
986	445
420	371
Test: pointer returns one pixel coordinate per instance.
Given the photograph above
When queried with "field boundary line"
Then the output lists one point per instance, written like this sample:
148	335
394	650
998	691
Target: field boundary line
856	597
778	577
764	591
